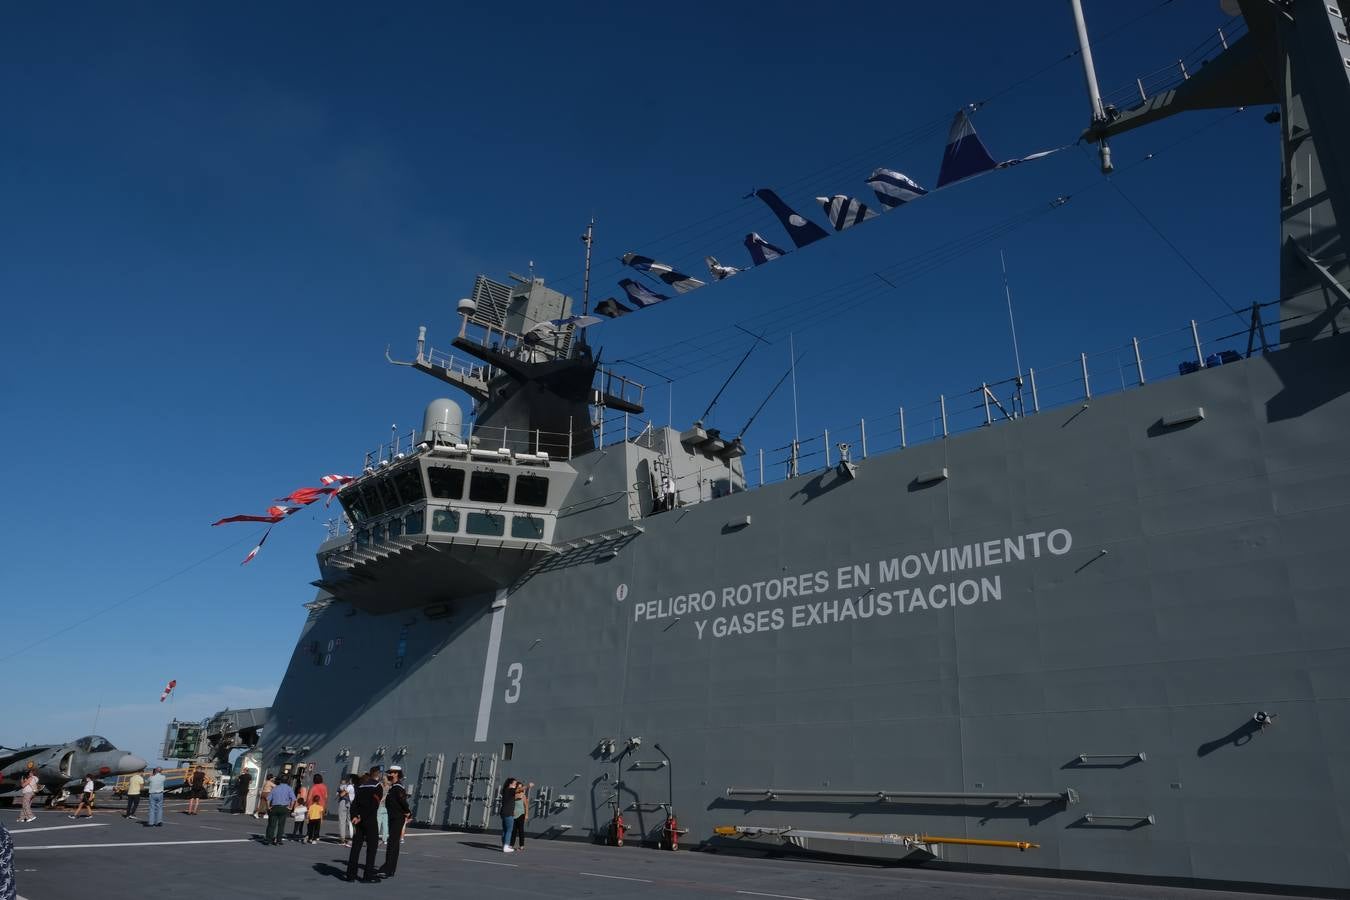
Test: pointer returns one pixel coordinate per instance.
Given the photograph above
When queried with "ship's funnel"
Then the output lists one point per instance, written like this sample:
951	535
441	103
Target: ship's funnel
443	422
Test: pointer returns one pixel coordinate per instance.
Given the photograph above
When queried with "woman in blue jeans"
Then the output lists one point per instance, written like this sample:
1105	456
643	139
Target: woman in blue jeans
507	803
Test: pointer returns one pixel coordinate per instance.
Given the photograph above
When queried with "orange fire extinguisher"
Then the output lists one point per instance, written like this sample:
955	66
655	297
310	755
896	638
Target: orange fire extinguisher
616	829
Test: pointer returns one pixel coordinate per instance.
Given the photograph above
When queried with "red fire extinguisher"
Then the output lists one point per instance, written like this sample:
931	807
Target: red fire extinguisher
671	832
616	829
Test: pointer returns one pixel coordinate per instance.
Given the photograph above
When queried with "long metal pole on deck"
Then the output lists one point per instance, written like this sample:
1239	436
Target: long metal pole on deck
942	402
1090	77
862	427
1035	398
902	428
1138	360
1195	336
1012	325
587	239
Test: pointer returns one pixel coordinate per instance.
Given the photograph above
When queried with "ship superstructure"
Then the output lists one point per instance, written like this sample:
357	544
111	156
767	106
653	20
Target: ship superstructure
1113	627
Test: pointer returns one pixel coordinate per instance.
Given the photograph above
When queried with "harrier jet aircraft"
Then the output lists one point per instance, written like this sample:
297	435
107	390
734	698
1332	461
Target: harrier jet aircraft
60	767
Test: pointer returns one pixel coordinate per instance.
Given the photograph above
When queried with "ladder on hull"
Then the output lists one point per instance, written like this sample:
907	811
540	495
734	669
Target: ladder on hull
473	791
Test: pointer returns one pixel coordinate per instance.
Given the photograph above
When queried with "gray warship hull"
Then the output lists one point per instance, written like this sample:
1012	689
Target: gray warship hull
1056	629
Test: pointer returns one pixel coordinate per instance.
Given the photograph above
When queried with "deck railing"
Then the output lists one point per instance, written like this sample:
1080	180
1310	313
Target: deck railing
1080	380
1170	354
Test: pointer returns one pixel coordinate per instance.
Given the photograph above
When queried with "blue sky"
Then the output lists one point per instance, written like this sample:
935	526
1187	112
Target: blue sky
215	219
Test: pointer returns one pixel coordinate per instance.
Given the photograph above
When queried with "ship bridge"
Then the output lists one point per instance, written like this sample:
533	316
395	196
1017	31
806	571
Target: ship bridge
455	516
453	510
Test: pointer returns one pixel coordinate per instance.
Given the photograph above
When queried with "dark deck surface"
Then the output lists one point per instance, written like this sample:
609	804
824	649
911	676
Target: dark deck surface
219	855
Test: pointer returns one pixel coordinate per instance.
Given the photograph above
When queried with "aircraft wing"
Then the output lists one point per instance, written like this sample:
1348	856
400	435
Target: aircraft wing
9	755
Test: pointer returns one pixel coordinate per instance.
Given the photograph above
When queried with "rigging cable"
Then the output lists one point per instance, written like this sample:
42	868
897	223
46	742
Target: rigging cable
1159	232
898	272
127	599
904	139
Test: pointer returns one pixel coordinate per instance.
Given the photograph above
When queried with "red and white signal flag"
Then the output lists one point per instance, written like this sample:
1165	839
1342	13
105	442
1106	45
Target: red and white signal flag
168	689
254	552
306	495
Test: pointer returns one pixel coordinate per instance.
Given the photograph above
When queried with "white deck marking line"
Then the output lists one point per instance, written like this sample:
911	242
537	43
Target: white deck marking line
433	833
488	862
490	667
616	877
132	844
21	831
784	896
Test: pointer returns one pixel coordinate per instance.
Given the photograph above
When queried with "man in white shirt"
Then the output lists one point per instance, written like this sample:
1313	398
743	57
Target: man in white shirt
156	785
134	786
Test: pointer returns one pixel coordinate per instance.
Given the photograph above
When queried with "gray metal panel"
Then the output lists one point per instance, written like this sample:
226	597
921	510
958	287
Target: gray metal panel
1220	594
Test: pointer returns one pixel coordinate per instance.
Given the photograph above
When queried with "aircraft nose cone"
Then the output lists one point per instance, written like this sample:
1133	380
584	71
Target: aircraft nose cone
131	763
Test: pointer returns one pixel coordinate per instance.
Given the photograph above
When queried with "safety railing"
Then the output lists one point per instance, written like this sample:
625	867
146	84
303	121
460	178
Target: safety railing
455	365
1167	77
1089	376
401	445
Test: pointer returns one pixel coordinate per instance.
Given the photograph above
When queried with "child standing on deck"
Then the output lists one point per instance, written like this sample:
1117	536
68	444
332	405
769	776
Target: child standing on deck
318	805
299	816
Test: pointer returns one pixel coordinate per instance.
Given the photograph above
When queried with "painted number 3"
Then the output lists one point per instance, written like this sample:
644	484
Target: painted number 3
513	672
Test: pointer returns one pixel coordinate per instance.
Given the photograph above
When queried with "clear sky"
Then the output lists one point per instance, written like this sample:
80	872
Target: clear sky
215	217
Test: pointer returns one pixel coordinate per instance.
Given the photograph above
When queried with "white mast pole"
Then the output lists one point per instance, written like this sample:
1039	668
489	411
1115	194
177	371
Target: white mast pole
1090	76
1012	326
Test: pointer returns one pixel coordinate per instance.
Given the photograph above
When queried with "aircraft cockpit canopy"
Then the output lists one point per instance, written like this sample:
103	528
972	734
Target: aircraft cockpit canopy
94	744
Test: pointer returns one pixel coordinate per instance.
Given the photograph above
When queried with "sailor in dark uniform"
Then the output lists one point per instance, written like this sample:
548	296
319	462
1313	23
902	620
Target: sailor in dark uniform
365	827
396	804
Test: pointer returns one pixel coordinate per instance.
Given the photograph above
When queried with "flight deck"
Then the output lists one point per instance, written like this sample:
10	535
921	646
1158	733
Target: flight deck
217	855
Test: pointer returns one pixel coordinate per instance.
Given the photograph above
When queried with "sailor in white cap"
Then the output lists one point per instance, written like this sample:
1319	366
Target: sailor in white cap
396	803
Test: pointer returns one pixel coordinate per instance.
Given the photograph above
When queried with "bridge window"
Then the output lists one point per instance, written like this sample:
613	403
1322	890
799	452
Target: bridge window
531	490
446	520
447	482
409	485
528	527
395	528
377	534
355	506
374	505
386	489
414	521
486	523
489	487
